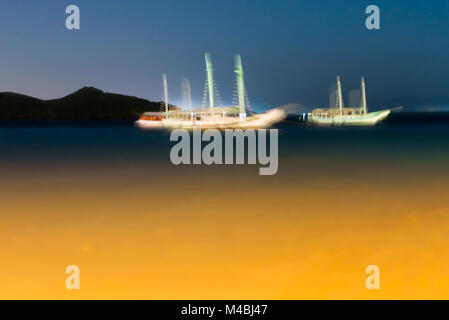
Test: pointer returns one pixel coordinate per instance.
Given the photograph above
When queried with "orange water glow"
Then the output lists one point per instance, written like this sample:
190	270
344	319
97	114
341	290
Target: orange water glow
223	232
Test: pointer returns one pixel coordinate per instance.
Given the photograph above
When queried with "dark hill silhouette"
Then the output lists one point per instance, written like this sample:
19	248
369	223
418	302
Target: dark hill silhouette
84	104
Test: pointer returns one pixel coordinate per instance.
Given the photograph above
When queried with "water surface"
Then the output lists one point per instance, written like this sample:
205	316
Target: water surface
105	196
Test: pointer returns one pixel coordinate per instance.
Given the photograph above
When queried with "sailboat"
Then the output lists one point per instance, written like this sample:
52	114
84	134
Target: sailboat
348	116
231	117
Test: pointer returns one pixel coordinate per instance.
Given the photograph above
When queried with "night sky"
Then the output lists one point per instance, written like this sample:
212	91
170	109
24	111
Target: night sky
291	50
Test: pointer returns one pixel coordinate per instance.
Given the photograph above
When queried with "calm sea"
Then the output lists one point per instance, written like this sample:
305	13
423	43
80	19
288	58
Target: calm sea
104	195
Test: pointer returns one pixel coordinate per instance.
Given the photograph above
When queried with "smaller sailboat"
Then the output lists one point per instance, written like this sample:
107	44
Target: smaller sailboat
348	116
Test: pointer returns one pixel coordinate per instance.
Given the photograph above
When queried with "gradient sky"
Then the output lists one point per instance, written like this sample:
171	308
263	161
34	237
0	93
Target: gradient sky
291	50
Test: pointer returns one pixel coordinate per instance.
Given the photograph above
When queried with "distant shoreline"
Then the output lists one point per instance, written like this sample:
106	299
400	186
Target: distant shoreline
417	118
85	104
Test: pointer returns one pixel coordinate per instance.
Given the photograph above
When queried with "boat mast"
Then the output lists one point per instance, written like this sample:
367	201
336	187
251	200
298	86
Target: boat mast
186	93
339	95
210	79
164	81
240	86
363	104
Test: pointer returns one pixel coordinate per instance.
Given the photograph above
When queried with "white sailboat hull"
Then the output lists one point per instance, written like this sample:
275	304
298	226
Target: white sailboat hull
263	120
369	119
